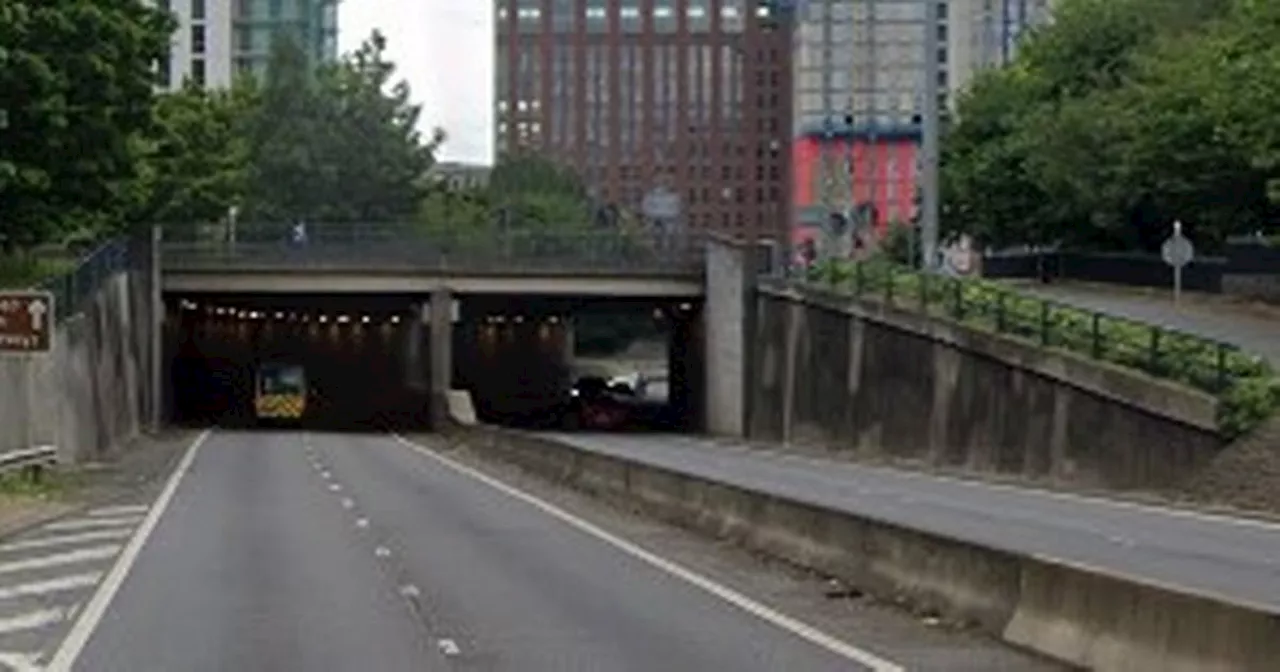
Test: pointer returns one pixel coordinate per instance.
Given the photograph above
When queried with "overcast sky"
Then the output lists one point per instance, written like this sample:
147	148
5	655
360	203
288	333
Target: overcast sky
444	48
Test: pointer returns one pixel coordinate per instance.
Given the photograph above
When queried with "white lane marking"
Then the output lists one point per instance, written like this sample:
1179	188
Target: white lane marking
325	475
409	590
20	662
791	625
60	584
335	487
448	647
84	626
348	503
34	619
122	510
382	552
91	523
66	539
58	559
362	522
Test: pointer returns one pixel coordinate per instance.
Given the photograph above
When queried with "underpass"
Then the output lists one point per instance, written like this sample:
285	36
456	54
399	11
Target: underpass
371	360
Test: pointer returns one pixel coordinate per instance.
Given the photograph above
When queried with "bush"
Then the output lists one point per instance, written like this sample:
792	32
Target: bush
1246	386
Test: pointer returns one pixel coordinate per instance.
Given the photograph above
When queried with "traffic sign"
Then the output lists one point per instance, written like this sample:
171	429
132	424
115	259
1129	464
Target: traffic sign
26	322
661	203
1177	250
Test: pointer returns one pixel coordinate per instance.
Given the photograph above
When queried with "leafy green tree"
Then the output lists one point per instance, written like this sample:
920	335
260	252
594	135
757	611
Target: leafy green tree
196	161
336	144
1104	131
76	89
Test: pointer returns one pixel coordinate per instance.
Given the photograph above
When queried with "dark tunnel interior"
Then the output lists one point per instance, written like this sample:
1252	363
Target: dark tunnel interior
516	355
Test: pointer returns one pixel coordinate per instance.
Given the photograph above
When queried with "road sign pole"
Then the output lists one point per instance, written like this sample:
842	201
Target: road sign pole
1177	285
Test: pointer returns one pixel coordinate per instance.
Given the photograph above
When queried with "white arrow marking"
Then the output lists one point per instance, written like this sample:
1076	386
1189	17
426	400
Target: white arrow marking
37	311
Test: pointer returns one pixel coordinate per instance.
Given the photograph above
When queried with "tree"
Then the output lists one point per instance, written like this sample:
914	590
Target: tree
196	161
538	192
339	143
76	88
1103	132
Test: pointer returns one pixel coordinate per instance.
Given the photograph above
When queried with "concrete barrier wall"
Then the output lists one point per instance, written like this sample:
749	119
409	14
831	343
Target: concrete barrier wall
1070	614
92	391
875	382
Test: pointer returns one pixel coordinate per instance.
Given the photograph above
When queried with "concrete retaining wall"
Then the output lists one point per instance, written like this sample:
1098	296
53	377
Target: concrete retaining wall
876	382
1072	615
92	391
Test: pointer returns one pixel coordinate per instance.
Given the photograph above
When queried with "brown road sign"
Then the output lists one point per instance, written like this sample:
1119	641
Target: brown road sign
26	322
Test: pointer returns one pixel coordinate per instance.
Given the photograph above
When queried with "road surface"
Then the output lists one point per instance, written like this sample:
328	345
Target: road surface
1233	559
360	552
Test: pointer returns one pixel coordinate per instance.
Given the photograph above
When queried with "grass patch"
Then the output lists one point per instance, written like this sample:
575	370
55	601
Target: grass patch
1245	384
25	270
51	485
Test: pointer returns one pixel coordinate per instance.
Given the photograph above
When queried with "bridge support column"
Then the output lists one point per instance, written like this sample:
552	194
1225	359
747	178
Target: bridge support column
730	281
440	313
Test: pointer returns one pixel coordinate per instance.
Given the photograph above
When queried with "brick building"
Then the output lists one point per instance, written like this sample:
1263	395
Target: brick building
692	95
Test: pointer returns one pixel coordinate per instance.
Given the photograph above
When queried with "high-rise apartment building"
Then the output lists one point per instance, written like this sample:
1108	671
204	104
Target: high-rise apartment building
858	86
217	40
688	95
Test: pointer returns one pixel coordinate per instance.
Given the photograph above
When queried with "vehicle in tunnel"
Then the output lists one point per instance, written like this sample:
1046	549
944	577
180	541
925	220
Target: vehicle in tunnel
280	393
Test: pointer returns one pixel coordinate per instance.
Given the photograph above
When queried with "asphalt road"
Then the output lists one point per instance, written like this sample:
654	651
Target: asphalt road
1235	559
349	552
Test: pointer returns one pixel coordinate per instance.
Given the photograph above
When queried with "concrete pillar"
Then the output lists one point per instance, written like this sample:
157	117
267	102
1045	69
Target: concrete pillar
155	368
415	365
441	317
730	288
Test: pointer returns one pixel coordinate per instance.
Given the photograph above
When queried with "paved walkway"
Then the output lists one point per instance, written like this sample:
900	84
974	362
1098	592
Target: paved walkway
1253	328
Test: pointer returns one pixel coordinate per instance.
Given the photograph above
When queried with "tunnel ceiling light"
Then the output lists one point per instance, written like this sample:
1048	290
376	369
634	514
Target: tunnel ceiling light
395	319
324	318
686	306
279	315
343	319
519	319
657	313
364	319
554	319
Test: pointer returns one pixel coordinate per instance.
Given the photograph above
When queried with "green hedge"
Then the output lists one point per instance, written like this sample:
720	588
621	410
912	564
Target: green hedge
1245	384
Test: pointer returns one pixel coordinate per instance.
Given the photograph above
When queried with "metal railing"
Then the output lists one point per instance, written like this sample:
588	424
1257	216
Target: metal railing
1203	363
31	461
74	290
417	248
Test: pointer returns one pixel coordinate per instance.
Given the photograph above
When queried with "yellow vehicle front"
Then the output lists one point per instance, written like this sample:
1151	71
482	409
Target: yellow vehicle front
280	393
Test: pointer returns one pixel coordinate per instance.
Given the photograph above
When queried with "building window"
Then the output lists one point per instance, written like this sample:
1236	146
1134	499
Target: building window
197	10
197	71
197	40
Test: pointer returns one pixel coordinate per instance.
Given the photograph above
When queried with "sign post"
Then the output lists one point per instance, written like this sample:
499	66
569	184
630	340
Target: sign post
1177	251
26	322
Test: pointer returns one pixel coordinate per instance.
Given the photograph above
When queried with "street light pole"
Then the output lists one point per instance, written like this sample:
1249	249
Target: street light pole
929	149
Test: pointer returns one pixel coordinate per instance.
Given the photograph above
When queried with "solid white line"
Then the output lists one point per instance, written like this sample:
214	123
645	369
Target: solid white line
32	620
20	662
791	625
91	523
58	559
84	626
65	539
62	583
122	510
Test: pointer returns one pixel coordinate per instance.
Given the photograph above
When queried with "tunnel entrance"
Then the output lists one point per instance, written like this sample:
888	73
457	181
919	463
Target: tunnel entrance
624	364
352	350
527	361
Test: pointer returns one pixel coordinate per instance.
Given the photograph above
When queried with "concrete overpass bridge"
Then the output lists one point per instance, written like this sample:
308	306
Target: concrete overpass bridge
490	314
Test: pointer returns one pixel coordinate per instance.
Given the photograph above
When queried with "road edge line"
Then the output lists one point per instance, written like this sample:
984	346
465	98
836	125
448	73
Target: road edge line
791	625
73	644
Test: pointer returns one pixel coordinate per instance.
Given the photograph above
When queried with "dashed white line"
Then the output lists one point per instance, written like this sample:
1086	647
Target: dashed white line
34	619
348	503
325	475
362	522
92	523
58	559
84	626
60	584
448	647
778	619
409	590
121	510
335	487
382	552
66	539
